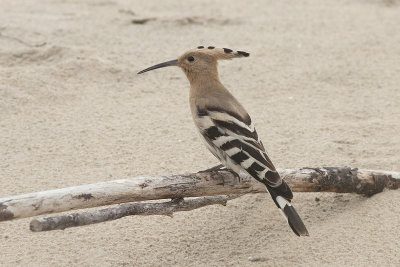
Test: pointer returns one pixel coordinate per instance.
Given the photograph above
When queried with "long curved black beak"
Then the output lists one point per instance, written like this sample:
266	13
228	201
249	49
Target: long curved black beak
161	65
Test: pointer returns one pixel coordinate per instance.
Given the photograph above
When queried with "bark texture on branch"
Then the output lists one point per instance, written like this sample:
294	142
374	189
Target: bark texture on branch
327	179
126	209
340	180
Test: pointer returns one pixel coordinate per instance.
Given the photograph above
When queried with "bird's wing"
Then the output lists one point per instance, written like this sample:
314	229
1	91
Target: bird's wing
229	135
238	140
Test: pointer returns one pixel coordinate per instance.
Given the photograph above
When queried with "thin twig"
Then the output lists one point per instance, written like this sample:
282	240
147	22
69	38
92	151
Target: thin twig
127	209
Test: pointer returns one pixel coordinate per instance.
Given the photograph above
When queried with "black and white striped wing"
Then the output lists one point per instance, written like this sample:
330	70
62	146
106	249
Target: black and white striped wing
234	139
235	142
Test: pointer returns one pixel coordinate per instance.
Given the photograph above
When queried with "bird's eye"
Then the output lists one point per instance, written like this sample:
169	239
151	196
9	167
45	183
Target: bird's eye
190	59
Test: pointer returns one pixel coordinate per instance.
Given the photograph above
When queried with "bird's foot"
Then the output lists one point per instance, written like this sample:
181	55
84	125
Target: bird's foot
213	169
243	177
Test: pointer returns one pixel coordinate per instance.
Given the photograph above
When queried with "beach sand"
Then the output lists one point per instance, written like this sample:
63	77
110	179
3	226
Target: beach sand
321	84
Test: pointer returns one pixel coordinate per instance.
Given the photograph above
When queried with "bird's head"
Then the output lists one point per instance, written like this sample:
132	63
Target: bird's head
200	60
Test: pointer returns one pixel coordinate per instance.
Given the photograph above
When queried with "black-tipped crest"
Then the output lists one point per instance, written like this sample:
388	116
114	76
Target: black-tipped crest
223	53
245	54
227	50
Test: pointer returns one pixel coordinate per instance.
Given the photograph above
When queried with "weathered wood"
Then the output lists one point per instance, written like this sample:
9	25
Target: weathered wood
126	209
123	191
340	180
328	179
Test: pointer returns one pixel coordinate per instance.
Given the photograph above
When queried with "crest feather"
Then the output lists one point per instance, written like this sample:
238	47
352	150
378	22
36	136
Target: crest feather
220	53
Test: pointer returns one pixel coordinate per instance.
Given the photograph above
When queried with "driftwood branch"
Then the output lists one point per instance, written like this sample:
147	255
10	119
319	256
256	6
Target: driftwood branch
127	209
327	179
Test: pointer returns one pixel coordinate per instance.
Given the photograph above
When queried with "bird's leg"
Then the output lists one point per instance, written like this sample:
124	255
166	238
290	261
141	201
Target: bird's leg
212	169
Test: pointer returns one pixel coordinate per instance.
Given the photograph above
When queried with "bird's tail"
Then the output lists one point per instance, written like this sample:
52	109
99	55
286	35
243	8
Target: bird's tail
282	196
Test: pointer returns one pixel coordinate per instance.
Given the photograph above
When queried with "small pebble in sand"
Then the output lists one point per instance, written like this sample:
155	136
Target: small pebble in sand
255	259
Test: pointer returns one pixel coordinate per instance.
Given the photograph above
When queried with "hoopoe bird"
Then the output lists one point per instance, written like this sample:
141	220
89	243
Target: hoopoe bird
226	127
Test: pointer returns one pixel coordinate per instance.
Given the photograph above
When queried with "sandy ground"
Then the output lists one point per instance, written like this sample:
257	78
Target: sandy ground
322	84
